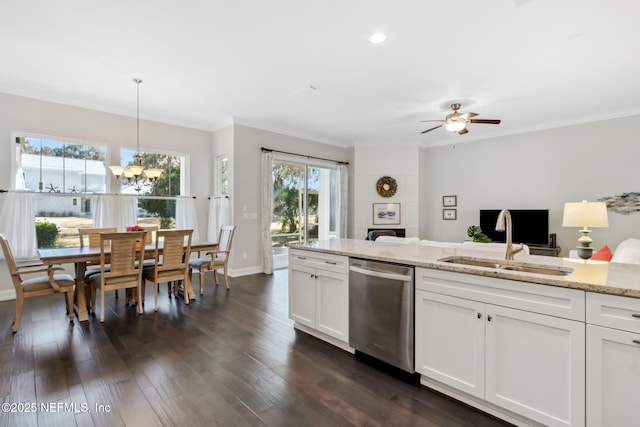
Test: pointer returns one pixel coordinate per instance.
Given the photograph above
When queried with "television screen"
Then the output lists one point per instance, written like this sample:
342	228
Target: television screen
529	226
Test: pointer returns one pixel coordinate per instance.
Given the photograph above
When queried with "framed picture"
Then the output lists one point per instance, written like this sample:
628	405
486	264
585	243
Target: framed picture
449	214
449	201
386	213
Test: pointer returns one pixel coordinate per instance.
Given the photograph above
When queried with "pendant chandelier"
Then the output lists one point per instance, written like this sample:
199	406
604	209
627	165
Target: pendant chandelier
136	175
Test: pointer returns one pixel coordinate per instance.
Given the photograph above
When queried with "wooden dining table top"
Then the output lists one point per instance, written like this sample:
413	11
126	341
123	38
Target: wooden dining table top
86	254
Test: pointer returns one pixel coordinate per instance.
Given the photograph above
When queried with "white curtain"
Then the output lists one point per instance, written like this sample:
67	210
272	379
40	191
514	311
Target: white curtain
267	210
186	216
343	200
219	215
111	210
17	221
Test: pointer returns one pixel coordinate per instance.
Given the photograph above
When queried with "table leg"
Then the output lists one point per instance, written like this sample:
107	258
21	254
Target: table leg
80	294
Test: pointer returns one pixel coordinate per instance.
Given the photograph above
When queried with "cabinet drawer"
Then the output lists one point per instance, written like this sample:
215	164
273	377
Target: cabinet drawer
550	300
613	311
319	260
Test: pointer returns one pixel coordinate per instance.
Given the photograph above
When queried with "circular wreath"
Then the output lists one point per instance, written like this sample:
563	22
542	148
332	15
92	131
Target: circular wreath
386	186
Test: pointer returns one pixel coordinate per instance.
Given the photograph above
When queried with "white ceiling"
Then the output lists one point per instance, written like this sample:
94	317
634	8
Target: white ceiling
532	63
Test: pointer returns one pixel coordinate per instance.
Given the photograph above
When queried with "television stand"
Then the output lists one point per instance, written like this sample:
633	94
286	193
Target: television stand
544	251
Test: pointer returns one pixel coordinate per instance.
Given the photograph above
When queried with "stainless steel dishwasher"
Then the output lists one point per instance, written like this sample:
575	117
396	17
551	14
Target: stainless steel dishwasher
381	307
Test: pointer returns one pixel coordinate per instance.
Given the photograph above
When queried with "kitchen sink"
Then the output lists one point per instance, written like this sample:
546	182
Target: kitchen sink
509	266
474	262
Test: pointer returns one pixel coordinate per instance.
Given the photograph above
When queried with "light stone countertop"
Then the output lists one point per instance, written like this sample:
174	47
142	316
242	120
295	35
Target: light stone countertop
594	276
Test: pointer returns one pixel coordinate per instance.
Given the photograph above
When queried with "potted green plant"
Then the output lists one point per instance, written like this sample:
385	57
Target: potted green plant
476	234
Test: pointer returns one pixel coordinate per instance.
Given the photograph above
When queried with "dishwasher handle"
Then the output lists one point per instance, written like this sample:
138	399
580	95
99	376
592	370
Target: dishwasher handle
383	275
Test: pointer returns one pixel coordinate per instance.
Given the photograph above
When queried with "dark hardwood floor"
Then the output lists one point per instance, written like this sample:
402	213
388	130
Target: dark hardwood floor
230	358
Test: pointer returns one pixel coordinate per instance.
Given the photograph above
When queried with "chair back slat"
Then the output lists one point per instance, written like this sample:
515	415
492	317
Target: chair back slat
225	237
175	244
125	253
151	231
92	235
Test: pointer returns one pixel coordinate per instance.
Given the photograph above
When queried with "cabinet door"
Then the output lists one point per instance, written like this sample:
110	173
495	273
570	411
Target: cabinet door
450	341
302	295
535	365
332	304
613	377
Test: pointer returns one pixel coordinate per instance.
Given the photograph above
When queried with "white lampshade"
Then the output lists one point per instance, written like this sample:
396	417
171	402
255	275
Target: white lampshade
585	214
153	173
136	170
455	126
116	170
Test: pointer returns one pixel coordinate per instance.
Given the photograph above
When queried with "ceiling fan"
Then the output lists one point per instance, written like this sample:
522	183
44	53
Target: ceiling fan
456	121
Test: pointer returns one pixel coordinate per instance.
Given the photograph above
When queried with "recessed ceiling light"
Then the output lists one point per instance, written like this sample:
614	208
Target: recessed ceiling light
377	38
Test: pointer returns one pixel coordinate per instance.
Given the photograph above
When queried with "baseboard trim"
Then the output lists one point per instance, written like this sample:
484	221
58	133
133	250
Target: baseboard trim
247	271
7	294
324	337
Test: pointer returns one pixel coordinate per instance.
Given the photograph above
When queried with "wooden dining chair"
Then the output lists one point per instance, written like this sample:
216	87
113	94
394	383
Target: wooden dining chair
172	251
36	286
216	260
151	231
90	237
122	253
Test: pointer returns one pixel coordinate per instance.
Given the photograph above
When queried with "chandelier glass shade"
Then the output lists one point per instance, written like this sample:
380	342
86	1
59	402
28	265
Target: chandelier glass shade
136	175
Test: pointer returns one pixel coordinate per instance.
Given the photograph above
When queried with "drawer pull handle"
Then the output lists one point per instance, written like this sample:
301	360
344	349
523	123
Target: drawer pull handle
331	262
636	341
479	315
302	257
489	318
636	315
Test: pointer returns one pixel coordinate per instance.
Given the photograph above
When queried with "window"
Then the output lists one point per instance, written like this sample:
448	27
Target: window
223	176
157	203
57	166
60	170
65	174
305	206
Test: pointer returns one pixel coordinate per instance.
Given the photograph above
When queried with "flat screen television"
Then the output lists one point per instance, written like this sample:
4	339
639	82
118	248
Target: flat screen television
529	226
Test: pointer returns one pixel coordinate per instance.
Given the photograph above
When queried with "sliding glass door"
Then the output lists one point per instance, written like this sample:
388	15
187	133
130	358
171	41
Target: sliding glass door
304	205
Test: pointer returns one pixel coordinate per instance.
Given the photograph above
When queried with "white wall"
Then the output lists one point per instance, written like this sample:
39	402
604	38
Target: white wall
371	163
537	170
246	197
19	114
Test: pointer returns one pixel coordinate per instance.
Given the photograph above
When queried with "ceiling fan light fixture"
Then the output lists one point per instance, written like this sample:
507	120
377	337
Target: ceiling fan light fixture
456	126
377	38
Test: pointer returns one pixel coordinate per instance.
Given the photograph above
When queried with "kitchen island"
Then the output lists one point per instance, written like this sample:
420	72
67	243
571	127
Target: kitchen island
530	348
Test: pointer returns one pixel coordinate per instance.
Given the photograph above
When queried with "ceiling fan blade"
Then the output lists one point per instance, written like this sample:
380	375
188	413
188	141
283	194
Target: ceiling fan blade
485	121
467	116
463	131
429	130
422	121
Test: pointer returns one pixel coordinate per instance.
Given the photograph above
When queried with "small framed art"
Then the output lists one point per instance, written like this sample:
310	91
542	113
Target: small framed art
386	213
449	201
450	214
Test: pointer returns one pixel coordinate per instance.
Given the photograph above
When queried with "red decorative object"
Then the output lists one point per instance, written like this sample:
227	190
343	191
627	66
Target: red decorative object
135	228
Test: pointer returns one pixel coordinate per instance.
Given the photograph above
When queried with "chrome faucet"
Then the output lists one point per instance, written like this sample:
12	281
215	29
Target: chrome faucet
504	219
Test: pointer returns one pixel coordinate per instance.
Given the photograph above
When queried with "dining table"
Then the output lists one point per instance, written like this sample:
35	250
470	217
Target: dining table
81	256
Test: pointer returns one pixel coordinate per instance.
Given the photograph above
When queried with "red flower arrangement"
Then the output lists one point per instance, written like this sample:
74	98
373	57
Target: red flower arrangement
135	228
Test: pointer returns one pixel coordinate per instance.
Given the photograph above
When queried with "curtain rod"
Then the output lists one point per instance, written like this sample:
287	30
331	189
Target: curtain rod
302	155
53	193
218	197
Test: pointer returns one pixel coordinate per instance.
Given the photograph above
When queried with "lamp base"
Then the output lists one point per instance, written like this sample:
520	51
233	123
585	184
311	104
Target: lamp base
585	250
584	253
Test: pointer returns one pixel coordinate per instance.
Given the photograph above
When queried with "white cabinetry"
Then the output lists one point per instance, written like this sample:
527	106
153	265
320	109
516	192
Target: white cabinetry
503	345
319	294
613	360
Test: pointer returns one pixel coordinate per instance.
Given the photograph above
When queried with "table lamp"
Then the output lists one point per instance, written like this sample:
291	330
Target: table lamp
585	214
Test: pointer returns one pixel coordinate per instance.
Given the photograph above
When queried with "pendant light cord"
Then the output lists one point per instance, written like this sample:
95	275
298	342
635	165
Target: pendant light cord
138	81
